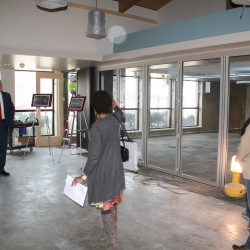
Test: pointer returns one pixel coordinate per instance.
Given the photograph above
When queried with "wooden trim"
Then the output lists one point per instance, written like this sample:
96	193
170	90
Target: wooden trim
125	5
111	12
56	140
49	75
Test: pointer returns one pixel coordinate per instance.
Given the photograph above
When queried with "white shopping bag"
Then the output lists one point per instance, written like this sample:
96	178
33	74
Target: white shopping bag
131	164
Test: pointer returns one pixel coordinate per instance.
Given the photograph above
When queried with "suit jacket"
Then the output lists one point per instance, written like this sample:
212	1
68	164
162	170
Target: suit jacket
9	109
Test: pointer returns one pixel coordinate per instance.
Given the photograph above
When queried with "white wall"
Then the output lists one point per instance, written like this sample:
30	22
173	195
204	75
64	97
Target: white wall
178	10
26	28
8	80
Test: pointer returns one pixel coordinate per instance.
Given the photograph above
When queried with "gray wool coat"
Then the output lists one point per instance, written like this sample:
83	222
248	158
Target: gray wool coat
104	167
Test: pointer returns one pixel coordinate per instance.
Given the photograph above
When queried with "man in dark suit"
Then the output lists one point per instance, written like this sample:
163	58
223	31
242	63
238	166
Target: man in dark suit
7	111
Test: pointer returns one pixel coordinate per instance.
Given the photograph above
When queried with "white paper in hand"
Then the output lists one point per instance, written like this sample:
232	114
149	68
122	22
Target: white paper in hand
76	193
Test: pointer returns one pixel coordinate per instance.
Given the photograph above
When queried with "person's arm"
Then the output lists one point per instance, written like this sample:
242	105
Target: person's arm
244	147
79	179
12	109
118	113
94	151
9	109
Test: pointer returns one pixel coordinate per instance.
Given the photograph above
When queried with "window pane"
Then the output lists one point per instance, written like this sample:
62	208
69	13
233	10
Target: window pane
190	117
46	123
200	118
131	119
190	94
115	90
23	116
161	141
159	93
46	86
25	87
239	108
129	90
159	118
130	102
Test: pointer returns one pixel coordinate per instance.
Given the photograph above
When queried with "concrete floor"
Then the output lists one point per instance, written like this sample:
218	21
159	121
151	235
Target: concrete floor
199	154
36	215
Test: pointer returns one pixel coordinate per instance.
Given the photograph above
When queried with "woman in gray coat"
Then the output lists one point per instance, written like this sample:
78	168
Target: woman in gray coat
104	168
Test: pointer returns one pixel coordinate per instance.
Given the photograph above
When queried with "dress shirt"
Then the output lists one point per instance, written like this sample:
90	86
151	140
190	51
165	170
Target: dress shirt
2	107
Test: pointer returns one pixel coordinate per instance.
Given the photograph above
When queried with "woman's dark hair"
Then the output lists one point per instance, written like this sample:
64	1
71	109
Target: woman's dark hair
101	101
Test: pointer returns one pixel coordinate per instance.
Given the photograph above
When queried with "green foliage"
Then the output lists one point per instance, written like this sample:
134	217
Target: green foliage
72	86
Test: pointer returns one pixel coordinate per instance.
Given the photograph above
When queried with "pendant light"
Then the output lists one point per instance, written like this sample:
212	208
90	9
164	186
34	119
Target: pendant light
52	5
243	3
96	24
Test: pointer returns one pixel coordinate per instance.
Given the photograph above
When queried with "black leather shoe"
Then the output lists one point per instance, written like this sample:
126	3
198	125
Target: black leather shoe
4	173
242	247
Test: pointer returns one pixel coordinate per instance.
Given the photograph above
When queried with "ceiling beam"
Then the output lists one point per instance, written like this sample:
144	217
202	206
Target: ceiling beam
111	12
153	5
125	5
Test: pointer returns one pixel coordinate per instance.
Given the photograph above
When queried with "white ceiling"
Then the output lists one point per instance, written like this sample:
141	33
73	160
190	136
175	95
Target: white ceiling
42	63
53	62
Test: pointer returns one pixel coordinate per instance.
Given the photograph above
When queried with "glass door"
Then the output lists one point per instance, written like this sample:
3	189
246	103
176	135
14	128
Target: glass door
239	105
46	114
50	118
161	141
130	102
200	118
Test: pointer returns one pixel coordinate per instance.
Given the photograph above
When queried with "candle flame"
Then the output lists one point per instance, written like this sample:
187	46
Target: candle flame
235	166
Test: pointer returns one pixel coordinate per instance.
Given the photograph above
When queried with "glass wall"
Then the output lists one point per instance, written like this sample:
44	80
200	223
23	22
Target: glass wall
130	97
130	101
192	103
125	86
239	104
191	127
161	143
200	118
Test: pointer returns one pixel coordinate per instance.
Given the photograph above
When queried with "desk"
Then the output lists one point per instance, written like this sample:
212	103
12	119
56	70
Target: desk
24	141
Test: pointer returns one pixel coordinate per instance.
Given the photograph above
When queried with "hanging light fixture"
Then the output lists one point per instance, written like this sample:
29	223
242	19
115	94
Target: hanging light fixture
52	5
243	3
96	24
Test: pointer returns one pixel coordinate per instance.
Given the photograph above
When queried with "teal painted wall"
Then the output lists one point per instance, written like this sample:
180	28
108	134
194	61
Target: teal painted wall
220	23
